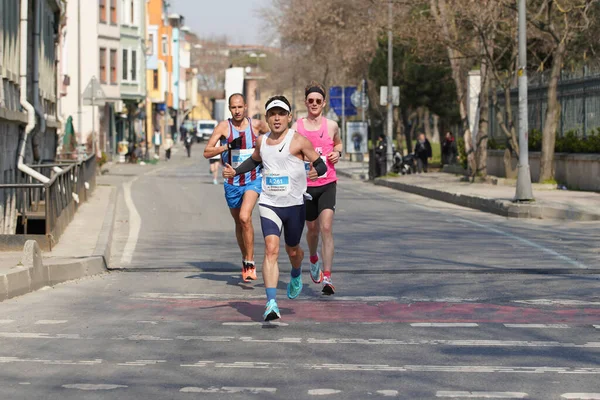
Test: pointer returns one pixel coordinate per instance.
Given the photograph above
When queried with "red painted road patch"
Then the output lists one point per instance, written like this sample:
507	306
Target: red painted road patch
374	312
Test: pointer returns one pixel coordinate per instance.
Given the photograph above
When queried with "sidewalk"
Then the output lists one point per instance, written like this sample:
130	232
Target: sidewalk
550	203
83	250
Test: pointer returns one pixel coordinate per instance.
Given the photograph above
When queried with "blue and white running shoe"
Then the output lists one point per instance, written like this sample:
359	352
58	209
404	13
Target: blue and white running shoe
294	287
271	311
316	272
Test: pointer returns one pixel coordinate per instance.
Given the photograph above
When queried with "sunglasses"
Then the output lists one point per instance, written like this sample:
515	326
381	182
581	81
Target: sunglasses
318	101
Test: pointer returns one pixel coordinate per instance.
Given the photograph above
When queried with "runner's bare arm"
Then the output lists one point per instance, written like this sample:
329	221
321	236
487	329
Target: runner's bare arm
260	126
338	146
213	147
307	151
295	126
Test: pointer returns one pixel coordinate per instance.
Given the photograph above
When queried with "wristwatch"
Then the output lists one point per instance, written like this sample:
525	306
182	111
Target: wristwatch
340	153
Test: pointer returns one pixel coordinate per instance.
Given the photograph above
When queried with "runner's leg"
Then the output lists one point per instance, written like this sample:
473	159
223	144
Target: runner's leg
325	222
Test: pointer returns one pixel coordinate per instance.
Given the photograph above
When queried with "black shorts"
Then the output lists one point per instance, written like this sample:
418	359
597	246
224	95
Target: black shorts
323	198
215	160
290	220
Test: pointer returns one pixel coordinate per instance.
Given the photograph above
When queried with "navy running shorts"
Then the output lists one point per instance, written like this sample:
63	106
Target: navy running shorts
289	219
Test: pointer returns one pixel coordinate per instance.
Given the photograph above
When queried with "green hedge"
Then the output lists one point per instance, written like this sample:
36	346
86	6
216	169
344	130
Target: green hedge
569	143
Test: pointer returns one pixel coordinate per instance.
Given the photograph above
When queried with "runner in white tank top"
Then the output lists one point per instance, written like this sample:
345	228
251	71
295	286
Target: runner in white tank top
281	204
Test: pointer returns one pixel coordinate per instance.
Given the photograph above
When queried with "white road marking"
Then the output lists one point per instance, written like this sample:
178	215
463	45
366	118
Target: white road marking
266	323
24	383
51	321
483	395
228	389
148	322
597	326
444	325
388	393
552	302
541	326
528	242
142	363
404	368
89	386
581	396
316	341
6	321
323	392
9	360
135	224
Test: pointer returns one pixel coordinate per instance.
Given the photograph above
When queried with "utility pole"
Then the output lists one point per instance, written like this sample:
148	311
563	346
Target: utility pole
79	94
390	105
524	192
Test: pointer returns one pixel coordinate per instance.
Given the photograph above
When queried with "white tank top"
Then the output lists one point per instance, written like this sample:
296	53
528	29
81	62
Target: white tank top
284	175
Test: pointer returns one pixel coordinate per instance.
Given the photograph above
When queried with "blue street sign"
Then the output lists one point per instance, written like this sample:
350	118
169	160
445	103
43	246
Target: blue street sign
335	100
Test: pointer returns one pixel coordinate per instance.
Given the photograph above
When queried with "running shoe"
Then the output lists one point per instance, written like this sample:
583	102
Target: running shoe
248	271
271	311
316	273
294	287
328	288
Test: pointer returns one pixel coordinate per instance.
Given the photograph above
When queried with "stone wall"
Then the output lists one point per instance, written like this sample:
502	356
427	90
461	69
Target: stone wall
576	171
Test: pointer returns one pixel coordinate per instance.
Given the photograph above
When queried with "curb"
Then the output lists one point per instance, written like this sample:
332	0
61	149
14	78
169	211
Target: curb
32	274
504	208
353	175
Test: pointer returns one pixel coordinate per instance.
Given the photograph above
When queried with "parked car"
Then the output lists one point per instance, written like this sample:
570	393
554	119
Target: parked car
205	129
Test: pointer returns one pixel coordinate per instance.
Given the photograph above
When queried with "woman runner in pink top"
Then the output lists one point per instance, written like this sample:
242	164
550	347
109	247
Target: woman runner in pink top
325	138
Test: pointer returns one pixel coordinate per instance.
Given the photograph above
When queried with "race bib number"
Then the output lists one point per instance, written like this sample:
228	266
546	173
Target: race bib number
276	183
238	156
307	167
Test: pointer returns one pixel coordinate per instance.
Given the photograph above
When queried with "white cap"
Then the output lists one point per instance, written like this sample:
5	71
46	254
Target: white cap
278	103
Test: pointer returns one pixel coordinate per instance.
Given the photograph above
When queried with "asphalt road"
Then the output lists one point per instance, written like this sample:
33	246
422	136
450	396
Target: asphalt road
433	301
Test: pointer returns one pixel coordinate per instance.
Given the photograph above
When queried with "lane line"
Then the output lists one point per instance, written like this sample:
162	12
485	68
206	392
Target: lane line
482	395
540	326
388	393
314	341
89	386
6	321
551	302
581	396
51	321
227	390
255	324
135	224
444	325
323	392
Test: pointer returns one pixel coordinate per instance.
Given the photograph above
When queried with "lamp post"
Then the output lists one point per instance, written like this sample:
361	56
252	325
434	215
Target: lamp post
390	105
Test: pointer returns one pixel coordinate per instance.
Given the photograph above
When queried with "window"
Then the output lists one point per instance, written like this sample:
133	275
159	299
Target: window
155	79
102	63
125	68
113	12
150	44
132	12
133	65
165	45
113	66
102	10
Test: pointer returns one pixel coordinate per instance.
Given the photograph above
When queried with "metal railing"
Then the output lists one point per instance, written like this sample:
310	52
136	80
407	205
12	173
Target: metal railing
71	183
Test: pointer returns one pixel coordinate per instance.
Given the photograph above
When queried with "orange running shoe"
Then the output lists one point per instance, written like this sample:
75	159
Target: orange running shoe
248	271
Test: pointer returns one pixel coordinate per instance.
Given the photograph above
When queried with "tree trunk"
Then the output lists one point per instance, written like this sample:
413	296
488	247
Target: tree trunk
484	111
436	129
427	125
552	116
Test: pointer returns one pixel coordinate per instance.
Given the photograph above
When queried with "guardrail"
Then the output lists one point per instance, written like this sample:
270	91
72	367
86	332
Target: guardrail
55	203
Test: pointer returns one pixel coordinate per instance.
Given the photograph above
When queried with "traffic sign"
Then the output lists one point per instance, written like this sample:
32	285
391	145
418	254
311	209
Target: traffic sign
336	93
93	94
356	99
395	95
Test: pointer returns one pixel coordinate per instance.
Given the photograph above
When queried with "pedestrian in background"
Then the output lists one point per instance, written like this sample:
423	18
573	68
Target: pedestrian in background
449	149
380	155
168	146
157	141
422	152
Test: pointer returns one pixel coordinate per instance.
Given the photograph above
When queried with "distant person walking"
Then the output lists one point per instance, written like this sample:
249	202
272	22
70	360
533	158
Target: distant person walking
423	153
168	146
449	149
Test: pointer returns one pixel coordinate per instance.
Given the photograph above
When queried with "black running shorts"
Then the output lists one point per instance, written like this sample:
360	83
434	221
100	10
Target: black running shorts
323	198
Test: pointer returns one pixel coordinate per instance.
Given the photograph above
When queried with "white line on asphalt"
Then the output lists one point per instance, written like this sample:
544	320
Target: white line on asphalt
581	396
315	341
482	395
254	323
527	242
135	224
552	302
541	326
6	321
444	325
148	322
597	326
24	383
51	321
323	392
228	390
8	360
142	363
89	386
388	393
